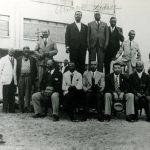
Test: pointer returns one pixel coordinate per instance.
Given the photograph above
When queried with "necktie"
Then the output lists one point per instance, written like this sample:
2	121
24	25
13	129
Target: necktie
12	61
45	42
93	80
98	25
71	77
116	84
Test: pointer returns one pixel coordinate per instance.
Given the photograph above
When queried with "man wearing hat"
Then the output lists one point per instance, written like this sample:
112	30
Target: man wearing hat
76	42
116	87
97	38
45	50
9	80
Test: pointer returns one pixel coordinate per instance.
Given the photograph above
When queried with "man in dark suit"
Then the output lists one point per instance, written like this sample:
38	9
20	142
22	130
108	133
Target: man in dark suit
140	87
26	75
97	39
116	89
76	42
50	89
115	37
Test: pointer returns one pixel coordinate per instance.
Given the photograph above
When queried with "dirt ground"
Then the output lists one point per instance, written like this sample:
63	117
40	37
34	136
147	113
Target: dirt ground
22	132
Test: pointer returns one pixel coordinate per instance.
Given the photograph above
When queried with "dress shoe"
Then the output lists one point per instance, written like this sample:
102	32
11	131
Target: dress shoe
107	118
130	118
148	119
55	118
100	118
84	118
39	115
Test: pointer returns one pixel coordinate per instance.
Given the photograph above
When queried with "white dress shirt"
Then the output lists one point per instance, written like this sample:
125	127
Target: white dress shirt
139	74
78	25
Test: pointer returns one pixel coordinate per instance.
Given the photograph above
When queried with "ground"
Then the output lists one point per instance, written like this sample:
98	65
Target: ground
22	132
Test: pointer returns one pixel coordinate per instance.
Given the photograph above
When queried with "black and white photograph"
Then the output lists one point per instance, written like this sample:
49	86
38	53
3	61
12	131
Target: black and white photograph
74	75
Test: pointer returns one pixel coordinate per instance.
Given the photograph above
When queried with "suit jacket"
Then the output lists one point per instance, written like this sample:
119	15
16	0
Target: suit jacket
110	83
115	38
41	49
94	34
33	68
87	80
54	80
74	39
138	85
76	81
6	71
129	53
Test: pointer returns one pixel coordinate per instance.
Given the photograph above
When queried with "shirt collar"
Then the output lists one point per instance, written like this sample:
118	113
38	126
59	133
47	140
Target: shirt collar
139	74
77	22
97	22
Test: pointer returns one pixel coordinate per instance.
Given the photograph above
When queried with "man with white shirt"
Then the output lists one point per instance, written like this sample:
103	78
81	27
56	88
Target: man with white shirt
50	90
116	88
130	53
97	38
72	90
76	42
140	87
115	39
93	86
8	80
45	49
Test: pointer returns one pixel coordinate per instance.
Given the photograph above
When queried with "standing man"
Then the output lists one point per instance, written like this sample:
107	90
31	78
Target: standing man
72	90
26	75
116	90
50	90
8	80
98	37
45	49
93	86
140	86
130	53
76	42
115	37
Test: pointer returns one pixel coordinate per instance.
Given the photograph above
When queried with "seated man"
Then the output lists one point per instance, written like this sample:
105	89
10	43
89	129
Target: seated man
93	86
140	86
72	90
116	87
50	89
128	54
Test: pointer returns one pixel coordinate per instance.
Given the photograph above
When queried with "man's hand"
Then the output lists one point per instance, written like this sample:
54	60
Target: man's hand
115	96
121	96
139	95
67	50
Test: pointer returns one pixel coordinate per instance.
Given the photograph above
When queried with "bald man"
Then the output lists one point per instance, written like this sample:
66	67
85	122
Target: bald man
130	53
9	81
97	38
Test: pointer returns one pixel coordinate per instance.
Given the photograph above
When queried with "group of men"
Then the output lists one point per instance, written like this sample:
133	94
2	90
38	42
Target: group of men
72	85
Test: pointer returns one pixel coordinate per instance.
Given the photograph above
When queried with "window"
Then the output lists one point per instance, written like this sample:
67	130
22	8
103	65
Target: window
4	25
57	2
104	6
33	28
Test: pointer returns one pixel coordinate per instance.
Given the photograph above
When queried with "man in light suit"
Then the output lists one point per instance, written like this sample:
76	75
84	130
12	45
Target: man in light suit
76	42
26	76
97	38
45	50
93	86
130	53
115	38
116	88
9	81
72	90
